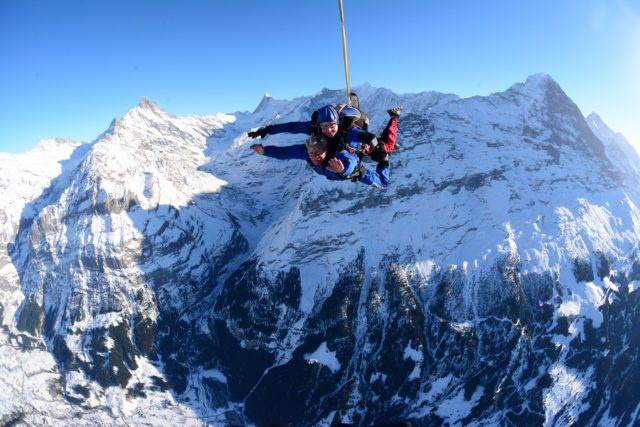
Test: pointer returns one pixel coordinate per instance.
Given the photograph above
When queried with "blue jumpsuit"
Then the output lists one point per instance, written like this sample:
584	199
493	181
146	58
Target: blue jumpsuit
379	178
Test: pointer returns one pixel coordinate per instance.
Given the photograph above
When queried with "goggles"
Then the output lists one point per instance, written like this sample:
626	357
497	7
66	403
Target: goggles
328	125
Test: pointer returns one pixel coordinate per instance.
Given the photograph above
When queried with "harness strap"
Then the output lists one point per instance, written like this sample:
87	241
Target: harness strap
358	172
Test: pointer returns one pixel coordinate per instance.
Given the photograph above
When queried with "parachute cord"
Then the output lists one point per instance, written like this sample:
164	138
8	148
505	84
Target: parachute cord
344	54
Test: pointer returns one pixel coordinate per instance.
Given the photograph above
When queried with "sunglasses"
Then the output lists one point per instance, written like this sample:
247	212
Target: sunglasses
325	126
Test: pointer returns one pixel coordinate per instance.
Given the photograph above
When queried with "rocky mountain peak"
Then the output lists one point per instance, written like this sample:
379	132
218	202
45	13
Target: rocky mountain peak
146	103
169	267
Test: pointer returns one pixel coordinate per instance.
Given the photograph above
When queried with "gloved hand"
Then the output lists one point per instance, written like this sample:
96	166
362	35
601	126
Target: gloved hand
260	132
368	138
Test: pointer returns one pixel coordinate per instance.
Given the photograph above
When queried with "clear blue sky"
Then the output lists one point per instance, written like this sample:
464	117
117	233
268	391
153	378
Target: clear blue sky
68	67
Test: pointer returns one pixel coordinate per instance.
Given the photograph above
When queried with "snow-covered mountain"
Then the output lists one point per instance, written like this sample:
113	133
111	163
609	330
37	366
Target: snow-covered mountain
166	274
619	150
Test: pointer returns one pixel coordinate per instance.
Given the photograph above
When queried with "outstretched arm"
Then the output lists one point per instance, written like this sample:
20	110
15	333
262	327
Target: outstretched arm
298	151
289	127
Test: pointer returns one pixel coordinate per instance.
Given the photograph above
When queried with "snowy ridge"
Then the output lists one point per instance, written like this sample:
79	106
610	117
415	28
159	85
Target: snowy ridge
617	146
169	274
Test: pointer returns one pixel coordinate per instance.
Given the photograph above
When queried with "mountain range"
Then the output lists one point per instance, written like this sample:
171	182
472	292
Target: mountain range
164	273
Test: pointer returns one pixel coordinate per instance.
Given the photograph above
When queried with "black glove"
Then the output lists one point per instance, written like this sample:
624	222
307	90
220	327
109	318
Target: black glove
261	132
368	138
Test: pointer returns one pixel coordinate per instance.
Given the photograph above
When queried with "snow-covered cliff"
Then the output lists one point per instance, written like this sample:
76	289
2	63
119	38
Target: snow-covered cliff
166	273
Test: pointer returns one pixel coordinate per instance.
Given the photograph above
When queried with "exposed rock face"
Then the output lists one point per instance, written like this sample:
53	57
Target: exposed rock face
171	273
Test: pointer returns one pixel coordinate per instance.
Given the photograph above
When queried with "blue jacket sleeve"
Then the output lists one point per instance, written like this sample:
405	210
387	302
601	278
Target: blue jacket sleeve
350	161
289	152
291	127
356	136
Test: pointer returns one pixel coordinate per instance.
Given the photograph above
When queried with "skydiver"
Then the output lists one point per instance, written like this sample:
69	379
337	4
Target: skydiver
341	130
345	164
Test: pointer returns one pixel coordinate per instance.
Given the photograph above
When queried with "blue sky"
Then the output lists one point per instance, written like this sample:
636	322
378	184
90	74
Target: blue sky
68	67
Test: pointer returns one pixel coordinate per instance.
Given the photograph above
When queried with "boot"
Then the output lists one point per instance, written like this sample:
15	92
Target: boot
394	112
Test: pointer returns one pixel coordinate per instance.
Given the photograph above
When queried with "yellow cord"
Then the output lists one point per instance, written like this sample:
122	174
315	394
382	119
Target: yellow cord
344	54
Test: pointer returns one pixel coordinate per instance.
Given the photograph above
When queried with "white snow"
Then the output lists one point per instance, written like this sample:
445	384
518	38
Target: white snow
324	357
417	356
569	308
438	387
378	376
215	374
457	407
584	301
471	192
565	393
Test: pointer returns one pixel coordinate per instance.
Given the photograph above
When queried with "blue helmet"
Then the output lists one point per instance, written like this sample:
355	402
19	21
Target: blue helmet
350	112
327	114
